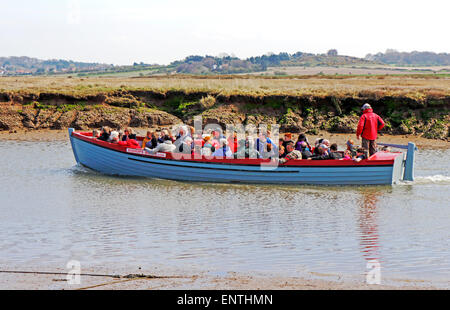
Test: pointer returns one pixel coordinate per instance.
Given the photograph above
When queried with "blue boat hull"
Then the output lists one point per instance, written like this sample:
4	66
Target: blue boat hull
112	162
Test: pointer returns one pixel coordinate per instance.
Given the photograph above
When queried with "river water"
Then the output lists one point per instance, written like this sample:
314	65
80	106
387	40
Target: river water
52	211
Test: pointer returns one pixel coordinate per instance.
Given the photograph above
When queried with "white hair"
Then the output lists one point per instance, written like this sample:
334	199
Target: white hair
114	134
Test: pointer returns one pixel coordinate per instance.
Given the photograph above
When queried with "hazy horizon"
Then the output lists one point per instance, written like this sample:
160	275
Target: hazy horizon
120	33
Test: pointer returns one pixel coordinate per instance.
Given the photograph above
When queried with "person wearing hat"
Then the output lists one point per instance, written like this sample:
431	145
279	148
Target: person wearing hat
368	127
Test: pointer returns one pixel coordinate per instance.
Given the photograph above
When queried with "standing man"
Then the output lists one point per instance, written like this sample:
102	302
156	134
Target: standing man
368	127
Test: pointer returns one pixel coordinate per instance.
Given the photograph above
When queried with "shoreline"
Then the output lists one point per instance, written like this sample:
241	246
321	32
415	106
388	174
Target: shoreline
52	135
95	279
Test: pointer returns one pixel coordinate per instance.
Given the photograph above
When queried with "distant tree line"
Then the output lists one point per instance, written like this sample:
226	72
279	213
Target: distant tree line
27	65
226	64
218	65
394	57
222	64
270	60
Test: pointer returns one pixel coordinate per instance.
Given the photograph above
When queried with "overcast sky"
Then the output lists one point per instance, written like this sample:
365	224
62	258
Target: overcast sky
157	31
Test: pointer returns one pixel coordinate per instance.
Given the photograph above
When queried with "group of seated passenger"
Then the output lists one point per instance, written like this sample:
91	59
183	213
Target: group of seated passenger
216	144
322	149
113	136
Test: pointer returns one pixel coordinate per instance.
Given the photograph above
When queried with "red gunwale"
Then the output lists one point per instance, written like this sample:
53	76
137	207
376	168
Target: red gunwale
379	159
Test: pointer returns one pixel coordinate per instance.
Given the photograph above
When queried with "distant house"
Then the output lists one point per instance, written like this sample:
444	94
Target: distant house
332	52
23	72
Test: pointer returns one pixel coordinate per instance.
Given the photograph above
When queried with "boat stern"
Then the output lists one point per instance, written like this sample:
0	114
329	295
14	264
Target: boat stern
403	165
409	162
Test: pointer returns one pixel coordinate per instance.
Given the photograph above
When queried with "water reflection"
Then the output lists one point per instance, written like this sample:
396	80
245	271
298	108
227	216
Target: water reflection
114	221
368	223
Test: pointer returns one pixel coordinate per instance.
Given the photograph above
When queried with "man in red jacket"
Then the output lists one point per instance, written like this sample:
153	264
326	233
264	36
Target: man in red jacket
368	127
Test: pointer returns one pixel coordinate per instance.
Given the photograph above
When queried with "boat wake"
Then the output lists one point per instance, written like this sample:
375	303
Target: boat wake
433	179
79	169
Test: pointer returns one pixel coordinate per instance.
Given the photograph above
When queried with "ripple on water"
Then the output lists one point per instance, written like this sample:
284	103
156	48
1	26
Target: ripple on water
53	210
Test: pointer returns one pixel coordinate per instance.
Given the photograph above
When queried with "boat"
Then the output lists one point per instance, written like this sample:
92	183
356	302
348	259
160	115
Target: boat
382	168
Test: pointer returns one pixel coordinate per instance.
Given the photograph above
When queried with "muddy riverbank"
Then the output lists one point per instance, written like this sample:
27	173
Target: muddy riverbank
417	107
